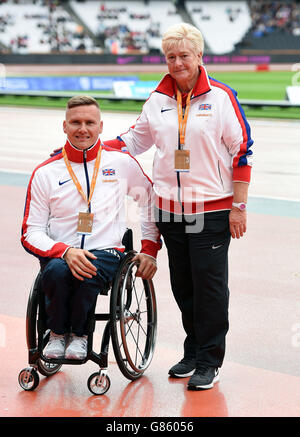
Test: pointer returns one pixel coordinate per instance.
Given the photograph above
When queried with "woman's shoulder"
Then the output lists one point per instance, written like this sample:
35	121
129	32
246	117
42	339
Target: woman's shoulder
221	87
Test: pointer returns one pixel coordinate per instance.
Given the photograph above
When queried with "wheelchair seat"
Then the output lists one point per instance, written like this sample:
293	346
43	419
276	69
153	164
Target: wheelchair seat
130	325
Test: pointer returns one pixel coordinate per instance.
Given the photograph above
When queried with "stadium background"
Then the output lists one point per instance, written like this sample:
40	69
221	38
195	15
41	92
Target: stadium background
50	50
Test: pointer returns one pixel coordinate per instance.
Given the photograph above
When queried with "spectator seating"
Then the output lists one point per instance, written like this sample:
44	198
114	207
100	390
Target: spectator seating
223	24
132	26
126	26
275	26
40	27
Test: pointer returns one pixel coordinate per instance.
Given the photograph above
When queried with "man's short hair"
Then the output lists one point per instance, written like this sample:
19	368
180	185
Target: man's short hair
81	100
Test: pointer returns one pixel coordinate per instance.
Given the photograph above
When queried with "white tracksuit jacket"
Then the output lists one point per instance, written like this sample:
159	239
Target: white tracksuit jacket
53	203
217	135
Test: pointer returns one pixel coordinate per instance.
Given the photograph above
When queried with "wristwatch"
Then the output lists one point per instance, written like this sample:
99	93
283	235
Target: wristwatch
242	205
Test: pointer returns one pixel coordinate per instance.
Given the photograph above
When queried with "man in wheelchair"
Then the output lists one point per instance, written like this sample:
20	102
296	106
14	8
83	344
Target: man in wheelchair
74	221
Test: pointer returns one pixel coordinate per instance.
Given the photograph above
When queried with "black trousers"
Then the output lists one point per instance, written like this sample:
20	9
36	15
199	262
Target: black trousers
198	263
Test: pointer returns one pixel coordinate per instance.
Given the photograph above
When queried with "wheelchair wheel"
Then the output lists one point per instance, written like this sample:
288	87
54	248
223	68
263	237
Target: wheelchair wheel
98	383
31	314
133	320
46	369
28	379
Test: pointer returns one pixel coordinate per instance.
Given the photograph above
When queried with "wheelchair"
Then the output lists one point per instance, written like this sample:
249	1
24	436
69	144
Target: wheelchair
131	326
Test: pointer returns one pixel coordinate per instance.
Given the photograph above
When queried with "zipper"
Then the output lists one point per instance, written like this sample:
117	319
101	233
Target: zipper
87	189
220	175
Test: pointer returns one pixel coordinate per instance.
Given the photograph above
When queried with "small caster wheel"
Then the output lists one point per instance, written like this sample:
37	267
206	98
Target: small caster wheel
98	383
28	379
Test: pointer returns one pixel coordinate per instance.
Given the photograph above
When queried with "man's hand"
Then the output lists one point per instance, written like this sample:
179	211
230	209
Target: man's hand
237	222
147	266
55	151
80	266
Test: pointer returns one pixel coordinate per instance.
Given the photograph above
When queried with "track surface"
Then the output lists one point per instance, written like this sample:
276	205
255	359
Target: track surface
104	68
261	372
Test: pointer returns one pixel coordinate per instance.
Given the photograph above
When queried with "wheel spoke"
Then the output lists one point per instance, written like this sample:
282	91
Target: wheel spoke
133	337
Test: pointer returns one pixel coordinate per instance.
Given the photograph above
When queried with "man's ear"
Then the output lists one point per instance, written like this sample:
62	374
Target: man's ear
101	126
64	126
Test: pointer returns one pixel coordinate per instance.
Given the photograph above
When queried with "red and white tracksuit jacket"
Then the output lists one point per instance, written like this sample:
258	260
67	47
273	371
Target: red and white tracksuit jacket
217	135
53	203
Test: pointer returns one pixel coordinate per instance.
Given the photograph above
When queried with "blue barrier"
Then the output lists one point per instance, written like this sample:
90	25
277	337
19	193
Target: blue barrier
143	88
134	89
56	83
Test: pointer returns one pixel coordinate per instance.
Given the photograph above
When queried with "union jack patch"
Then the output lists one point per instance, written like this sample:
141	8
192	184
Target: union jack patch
205	107
109	172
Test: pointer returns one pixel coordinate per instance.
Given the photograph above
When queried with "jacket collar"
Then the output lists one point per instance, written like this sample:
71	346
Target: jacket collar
76	155
168	85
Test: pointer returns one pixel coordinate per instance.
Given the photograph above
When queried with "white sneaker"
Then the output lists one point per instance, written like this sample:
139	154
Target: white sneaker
55	347
77	347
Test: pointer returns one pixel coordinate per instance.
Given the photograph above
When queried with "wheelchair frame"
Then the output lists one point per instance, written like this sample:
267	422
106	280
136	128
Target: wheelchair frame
121	321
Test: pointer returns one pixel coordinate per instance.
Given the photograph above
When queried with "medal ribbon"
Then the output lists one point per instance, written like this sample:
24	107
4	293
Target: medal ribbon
75	180
182	121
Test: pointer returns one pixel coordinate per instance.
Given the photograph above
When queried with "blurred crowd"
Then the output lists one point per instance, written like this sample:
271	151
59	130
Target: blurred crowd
56	29
270	16
120	38
59	33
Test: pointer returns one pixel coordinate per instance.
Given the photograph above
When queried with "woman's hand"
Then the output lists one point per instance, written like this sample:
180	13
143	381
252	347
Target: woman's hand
237	222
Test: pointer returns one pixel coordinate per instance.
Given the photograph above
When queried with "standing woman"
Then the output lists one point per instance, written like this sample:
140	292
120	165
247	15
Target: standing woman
201	173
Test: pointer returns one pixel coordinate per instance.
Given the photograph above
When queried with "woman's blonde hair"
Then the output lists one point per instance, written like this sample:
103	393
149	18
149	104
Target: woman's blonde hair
181	32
